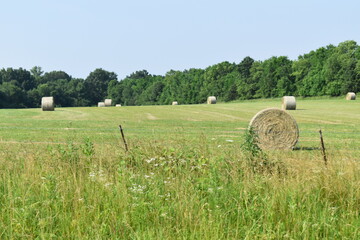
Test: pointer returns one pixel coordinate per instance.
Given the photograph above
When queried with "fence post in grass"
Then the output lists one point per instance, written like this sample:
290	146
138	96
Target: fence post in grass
123	137
323	147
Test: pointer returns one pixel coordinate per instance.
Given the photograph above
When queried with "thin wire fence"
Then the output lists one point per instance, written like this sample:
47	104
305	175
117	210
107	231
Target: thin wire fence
348	139
161	130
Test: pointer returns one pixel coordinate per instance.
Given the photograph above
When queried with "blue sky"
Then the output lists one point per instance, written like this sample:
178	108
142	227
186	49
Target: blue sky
78	36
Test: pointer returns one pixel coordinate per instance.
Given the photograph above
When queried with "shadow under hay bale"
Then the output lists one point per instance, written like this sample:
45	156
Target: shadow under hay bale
211	100
288	103
47	104
306	148
275	129
350	96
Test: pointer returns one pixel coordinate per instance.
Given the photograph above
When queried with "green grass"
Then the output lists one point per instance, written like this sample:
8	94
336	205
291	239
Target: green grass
65	174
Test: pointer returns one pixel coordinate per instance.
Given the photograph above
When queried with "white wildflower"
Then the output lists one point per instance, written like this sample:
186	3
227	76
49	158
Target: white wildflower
101	173
136	188
92	176
150	160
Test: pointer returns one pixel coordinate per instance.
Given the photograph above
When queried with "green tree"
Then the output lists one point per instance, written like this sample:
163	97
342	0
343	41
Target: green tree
115	91
276	79
340	69
250	74
54	76
183	87
308	72
20	77
216	81
96	84
11	95
37	73
152	93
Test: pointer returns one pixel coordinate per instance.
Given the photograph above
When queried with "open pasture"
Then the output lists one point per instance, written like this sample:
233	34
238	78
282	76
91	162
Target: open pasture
65	174
337	118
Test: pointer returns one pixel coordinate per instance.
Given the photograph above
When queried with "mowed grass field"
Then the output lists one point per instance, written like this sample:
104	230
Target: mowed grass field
188	173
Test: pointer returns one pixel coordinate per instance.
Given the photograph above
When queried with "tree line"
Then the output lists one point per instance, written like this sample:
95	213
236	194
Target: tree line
331	70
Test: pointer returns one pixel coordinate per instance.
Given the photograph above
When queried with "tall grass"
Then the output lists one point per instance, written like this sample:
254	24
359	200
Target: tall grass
188	191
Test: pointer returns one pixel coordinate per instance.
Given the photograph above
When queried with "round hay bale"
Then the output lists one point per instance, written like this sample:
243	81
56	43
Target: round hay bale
47	103
174	103
101	104
274	129
350	96
288	103
211	100
118	105
108	102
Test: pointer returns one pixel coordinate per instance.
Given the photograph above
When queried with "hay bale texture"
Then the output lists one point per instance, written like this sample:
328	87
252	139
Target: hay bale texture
274	129
211	100
288	103
101	104
350	96
174	103
47	104
108	102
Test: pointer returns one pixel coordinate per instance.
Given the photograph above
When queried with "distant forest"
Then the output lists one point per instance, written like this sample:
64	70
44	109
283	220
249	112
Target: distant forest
331	70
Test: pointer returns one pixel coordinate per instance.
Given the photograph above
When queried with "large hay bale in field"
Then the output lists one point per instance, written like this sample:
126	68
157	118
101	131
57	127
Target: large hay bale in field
174	103
211	100
101	104
47	103
288	103
350	96
274	129
118	105
108	102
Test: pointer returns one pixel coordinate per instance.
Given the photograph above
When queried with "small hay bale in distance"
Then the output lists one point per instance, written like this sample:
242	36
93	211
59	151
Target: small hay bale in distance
288	103
211	100
350	96
101	104
108	102
117	105
47	104
275	129
174	103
